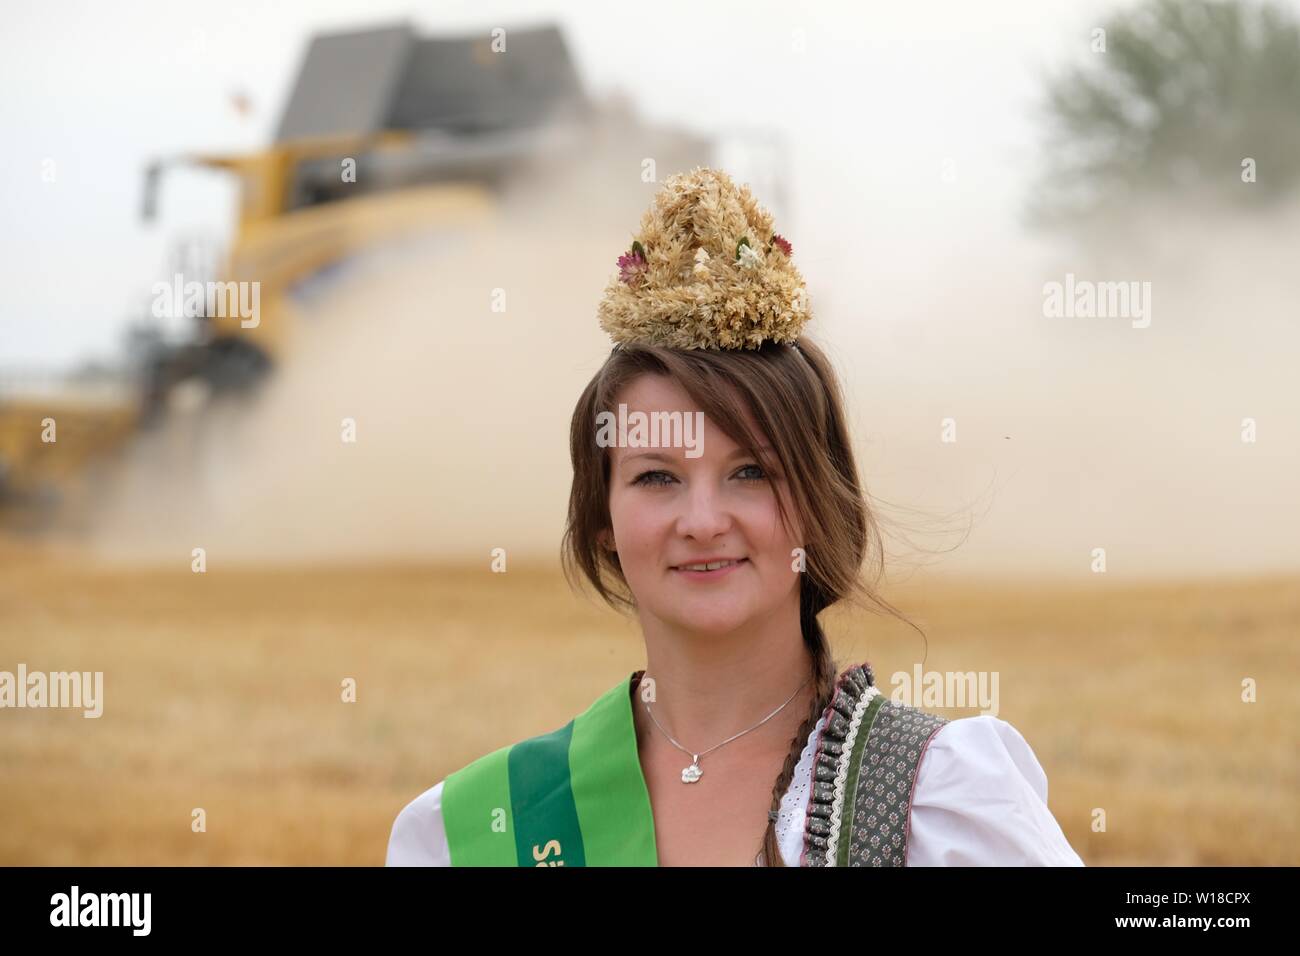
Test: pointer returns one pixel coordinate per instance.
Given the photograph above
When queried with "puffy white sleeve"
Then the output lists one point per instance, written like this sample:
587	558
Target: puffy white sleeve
980	799
418	837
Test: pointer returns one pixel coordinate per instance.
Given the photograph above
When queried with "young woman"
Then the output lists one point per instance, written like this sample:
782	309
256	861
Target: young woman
716	497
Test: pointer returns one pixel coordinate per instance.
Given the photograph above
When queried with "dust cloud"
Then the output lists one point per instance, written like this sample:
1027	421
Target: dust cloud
1071	433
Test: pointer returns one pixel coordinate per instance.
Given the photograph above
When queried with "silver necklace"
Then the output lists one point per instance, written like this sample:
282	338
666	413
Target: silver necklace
693	772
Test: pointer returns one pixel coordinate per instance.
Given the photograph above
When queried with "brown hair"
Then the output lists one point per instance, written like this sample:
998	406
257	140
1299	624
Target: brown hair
795	396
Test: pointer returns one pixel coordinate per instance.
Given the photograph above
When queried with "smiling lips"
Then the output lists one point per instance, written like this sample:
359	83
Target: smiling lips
710	569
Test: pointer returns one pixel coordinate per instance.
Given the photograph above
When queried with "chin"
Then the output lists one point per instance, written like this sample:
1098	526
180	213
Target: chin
709	618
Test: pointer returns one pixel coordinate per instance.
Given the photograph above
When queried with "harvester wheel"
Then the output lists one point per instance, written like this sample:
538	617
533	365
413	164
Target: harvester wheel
235	365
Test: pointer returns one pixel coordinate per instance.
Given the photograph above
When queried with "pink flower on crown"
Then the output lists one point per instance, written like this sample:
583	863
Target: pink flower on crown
632	265
781	243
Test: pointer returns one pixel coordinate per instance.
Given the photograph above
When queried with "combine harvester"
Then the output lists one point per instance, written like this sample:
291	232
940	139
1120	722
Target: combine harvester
386	133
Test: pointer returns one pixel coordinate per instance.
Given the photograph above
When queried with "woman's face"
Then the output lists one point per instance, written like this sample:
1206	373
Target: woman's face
668	510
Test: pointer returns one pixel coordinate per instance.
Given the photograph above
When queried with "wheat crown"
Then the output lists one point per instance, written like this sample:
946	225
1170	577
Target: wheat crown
706	270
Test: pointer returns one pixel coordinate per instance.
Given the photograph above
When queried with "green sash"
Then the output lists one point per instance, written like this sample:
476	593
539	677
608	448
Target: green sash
573	797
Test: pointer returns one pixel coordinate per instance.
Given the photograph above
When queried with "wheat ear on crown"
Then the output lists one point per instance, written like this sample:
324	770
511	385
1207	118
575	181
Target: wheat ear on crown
706	270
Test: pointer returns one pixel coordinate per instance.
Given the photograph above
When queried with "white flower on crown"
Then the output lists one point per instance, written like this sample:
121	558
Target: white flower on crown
750	258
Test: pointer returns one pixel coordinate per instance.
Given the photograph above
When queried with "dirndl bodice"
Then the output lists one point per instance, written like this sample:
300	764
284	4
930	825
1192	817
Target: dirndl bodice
863	774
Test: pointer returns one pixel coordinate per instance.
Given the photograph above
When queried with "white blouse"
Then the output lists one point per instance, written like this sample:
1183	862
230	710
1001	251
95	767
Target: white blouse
980	799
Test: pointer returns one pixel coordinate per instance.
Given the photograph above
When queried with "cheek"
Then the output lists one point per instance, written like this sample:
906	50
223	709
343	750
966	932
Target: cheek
638	526
792	536
762	518
772	541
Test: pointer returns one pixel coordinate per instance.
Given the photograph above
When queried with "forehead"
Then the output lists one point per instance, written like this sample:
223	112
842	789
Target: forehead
651	393
655	393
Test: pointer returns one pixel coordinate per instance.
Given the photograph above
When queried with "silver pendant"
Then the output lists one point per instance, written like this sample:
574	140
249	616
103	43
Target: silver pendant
693	772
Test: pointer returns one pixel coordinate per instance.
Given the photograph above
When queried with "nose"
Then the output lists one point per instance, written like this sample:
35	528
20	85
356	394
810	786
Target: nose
705	514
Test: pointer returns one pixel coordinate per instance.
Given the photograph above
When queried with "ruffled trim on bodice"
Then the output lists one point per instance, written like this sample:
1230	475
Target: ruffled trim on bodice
853	691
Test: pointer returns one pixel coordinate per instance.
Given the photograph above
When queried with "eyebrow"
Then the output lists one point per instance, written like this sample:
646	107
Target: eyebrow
660	456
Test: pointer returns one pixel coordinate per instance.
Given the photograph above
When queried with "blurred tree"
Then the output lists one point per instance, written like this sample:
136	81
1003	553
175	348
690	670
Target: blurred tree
1183	94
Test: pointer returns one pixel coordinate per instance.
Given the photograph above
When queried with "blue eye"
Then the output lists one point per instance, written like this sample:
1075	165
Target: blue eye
641	478
661	478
